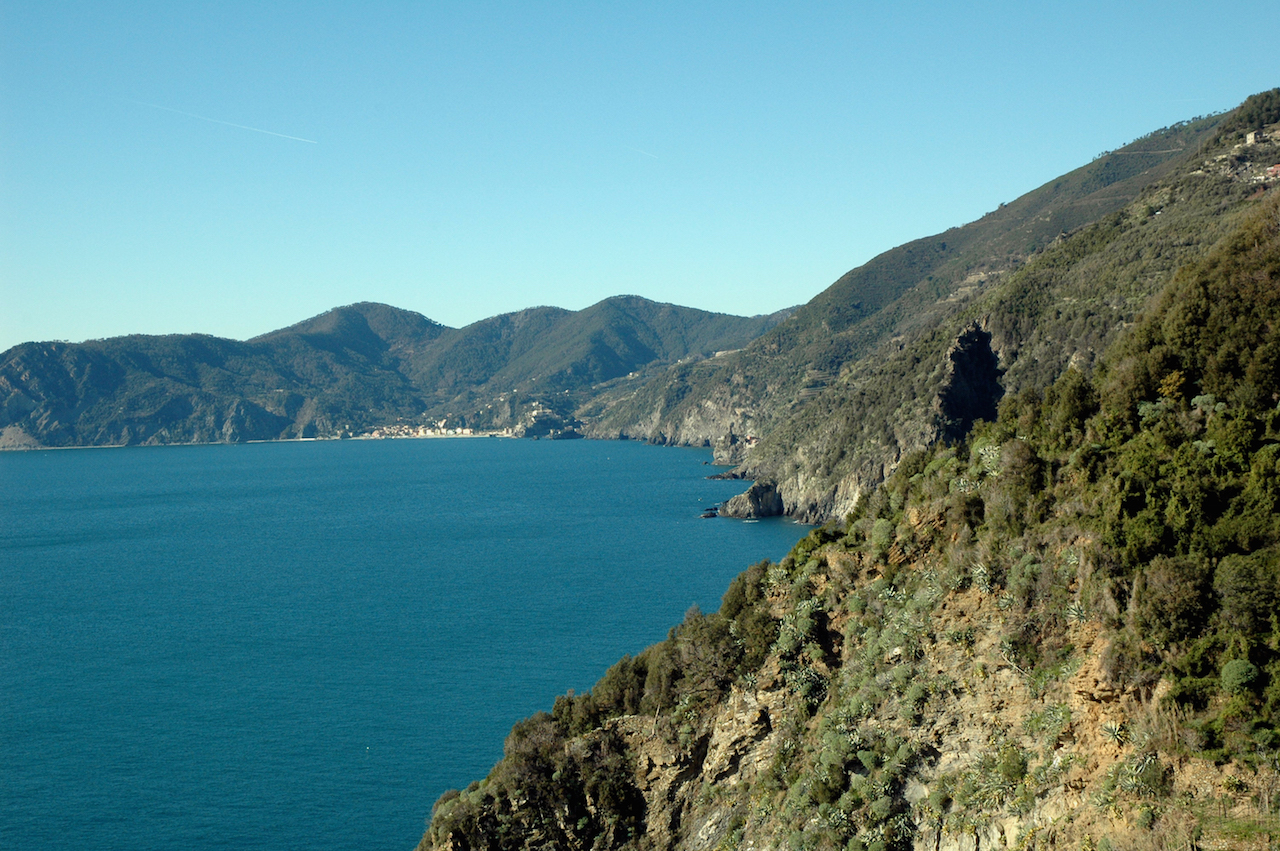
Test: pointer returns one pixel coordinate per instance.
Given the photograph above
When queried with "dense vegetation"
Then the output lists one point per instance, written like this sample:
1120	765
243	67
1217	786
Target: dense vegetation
922	656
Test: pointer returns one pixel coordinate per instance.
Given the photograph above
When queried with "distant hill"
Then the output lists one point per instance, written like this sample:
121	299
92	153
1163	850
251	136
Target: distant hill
563	350
345	371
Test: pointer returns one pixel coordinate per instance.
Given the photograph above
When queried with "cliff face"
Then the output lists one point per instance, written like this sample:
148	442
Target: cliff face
729	415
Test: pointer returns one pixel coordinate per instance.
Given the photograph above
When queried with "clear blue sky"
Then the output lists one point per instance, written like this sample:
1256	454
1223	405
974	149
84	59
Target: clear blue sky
467	159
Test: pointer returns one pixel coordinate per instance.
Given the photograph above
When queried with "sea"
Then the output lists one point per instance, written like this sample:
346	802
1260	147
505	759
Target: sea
303	644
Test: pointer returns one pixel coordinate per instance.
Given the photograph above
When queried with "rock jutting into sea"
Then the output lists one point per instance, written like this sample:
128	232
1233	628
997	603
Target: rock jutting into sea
760	500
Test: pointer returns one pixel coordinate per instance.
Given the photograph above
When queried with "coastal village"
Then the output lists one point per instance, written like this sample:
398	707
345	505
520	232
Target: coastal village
439	430
537	422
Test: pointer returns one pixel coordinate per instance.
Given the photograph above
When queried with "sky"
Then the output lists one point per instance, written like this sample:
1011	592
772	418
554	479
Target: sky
232	168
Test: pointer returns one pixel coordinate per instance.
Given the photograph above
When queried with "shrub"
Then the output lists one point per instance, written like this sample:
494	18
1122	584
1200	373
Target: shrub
757	630
1238	676
1247	590
1170	601
881	536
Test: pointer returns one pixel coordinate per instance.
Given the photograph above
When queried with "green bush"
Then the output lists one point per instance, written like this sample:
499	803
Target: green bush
1171	603
1248	589
1238	676
881	536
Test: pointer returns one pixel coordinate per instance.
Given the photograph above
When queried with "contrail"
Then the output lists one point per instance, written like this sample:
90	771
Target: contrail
219	121
638	151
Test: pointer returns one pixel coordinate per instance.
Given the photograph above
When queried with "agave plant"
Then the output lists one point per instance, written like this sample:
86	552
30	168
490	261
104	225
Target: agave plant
982	578
1114	732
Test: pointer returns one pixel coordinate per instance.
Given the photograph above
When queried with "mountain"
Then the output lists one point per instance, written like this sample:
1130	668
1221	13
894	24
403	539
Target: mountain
348	370
562	356
1048	619
372	330
328	375
882	362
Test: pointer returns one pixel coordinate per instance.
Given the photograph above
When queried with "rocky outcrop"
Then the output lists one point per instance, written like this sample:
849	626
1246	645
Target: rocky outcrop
972	387
247	421
760	500
732	750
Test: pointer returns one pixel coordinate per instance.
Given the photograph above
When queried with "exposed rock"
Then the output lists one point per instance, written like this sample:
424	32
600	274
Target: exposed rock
760	500
13	437
744	723
734	749
247	421
972	387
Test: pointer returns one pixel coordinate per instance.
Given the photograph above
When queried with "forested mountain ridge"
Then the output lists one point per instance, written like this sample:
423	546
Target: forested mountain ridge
1051	628
562	356
348	370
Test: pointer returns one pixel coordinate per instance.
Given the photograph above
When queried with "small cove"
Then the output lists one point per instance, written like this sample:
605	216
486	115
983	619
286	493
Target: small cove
306	643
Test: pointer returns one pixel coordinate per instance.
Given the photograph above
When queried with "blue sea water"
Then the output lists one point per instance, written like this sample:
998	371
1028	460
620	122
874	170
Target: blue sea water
304	644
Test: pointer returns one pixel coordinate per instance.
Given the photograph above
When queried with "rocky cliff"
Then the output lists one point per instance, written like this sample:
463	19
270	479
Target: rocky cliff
760	500
901	289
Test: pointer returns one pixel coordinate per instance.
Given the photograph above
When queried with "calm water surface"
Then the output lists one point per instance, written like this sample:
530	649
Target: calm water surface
304	644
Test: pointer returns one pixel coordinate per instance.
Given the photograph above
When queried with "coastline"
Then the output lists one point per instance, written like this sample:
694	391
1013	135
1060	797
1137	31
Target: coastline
431	436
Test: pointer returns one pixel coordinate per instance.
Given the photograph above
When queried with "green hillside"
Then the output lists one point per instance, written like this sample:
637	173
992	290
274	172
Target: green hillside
1051	628
1064	306
824	408
559	357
